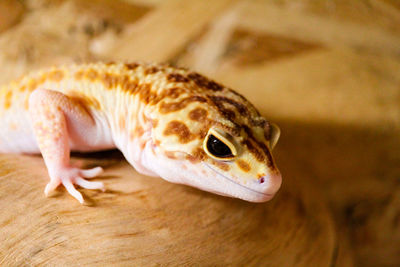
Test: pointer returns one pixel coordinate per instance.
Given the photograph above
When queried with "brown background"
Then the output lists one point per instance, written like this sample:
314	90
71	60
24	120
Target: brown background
326	71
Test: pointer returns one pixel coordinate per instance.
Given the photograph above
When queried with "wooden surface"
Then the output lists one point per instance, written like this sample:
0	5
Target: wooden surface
10	12
166	30
147	221
325	71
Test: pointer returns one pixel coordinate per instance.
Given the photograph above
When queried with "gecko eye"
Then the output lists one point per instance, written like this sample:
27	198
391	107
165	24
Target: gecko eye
218	147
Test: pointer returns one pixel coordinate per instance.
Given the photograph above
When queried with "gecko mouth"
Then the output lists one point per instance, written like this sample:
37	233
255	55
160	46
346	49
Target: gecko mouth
230	180
236	183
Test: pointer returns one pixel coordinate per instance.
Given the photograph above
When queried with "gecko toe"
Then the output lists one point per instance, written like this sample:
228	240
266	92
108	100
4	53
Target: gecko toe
91	173
70	176
89	185
72	190
51	186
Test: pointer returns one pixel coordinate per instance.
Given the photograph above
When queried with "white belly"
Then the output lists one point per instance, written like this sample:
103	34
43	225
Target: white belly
16	134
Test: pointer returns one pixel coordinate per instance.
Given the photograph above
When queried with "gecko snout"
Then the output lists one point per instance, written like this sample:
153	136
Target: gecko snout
269	184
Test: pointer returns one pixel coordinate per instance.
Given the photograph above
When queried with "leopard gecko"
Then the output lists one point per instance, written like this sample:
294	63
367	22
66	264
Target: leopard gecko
168	122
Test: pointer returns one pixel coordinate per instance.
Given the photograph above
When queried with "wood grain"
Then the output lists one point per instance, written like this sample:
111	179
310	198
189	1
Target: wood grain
264	17
319	84
146	221
160	35
11	12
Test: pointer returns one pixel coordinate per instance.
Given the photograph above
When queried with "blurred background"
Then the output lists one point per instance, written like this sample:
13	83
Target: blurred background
326	71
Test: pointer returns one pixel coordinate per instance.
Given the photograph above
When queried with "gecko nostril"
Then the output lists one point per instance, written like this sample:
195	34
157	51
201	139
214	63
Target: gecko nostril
262	180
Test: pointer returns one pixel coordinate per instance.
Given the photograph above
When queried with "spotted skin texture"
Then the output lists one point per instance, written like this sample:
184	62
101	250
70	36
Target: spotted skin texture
179	129
158	116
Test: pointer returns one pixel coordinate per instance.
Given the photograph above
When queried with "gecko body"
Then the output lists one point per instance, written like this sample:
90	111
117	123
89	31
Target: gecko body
168	122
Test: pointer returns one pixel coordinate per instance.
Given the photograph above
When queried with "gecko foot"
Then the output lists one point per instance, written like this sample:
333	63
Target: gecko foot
69	176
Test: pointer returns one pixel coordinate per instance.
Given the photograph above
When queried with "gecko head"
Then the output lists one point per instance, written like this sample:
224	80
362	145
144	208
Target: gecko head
211	137
244	161
218	155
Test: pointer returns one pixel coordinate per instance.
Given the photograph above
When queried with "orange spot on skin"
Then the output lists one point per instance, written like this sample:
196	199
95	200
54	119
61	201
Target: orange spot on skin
174	92
138	131
85	101
170	155
180	130
192	159
26	103
122	122
222	165
145	93
92	75
8	100
107	79
56	76
177	78
131	66
32	85
150	97
151	70
204	82
123	81
130	86
243	165
111	81
142	145
198	114
42	79
219	100
197	156
175	106
79	75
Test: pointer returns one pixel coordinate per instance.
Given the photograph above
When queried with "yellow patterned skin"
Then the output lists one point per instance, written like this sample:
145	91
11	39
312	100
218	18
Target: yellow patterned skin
163	119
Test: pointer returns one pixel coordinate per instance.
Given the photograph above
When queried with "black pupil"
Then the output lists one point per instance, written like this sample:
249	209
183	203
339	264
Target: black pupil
218	148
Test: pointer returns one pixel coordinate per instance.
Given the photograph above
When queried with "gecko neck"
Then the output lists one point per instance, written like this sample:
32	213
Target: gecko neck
132	127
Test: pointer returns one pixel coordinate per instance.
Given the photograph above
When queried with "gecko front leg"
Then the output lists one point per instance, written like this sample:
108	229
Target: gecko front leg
55	119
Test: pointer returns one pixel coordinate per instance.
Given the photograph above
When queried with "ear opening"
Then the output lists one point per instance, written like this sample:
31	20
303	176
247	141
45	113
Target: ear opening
274	134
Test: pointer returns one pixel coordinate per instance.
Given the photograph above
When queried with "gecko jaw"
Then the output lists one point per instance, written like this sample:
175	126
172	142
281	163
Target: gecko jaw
265	196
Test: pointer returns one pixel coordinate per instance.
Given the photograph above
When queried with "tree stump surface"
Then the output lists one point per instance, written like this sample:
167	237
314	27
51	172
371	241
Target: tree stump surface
147	221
